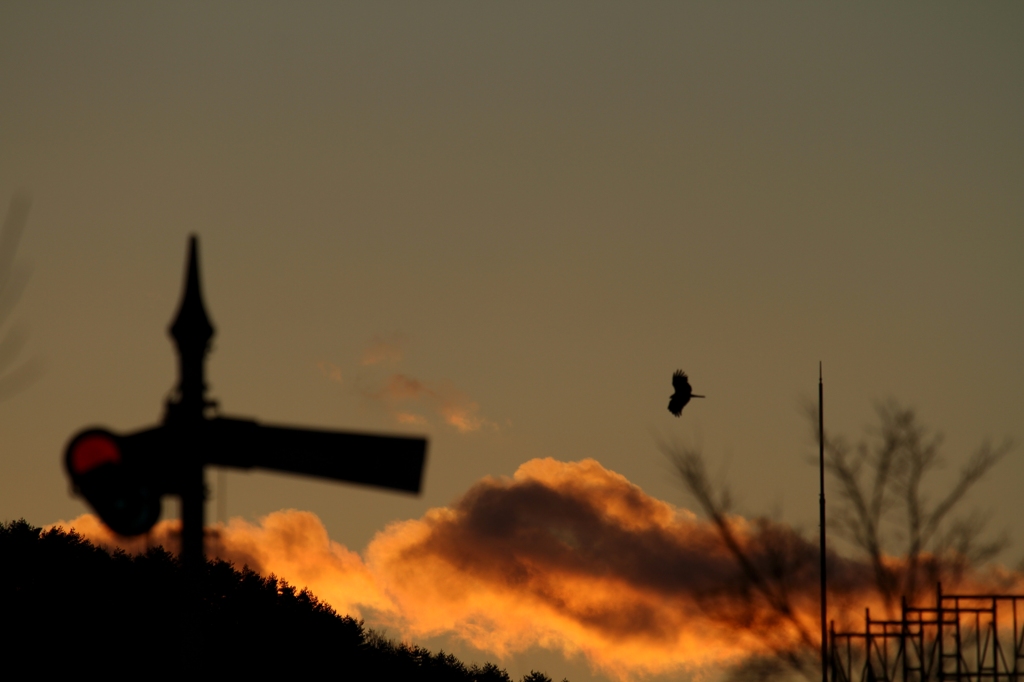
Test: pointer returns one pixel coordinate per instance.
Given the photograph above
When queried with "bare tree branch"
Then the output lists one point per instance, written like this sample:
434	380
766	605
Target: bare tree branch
12	284
884	511
769	582
899	456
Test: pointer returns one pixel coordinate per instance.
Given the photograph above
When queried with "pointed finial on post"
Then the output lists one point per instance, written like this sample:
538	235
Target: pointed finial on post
191	331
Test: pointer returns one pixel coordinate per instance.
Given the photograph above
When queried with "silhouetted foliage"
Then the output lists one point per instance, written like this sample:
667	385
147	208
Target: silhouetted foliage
399	661
535	676
70	607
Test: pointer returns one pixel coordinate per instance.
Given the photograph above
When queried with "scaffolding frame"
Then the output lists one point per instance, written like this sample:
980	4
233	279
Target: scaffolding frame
961	638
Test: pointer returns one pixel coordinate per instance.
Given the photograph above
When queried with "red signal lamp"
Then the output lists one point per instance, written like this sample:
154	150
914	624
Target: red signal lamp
91	449
118	488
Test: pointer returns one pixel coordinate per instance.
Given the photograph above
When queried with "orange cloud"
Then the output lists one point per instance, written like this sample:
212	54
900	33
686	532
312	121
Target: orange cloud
567	556
290	544
406	397
452	405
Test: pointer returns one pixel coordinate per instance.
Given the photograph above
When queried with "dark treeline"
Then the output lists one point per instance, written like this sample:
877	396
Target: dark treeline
69	606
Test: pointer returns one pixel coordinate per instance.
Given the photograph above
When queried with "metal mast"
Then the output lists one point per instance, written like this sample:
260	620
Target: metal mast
821	508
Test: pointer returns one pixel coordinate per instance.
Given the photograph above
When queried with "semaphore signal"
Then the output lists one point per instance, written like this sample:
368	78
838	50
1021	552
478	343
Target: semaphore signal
124	477
118	487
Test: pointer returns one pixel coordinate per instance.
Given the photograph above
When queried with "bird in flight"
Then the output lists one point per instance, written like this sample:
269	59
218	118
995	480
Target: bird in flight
683	393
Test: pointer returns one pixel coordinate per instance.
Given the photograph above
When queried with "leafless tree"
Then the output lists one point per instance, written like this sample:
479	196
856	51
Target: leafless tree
768	565
881	484
885	508
14	375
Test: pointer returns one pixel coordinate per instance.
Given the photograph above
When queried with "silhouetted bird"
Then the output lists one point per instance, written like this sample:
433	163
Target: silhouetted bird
683	393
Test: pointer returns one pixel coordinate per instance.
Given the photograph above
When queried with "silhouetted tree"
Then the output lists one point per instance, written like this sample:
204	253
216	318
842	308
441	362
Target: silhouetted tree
881	483
758	598
884	510
535	676
71	608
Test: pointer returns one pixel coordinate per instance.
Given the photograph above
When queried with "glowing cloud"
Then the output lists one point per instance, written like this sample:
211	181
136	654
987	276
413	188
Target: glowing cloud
452	405
568	556
408	398
290	544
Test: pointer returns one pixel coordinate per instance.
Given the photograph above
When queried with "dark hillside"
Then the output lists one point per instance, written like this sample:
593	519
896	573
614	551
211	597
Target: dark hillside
68	606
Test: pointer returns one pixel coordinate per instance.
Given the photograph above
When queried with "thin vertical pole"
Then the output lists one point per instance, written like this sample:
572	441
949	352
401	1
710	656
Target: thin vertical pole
222	495
821	508
867	642
193	503
904	633
940	617
832	642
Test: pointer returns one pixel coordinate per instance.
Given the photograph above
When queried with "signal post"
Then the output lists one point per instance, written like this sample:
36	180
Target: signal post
124	477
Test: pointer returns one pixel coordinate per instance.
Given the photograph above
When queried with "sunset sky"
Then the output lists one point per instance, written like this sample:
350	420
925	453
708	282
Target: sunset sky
504	226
